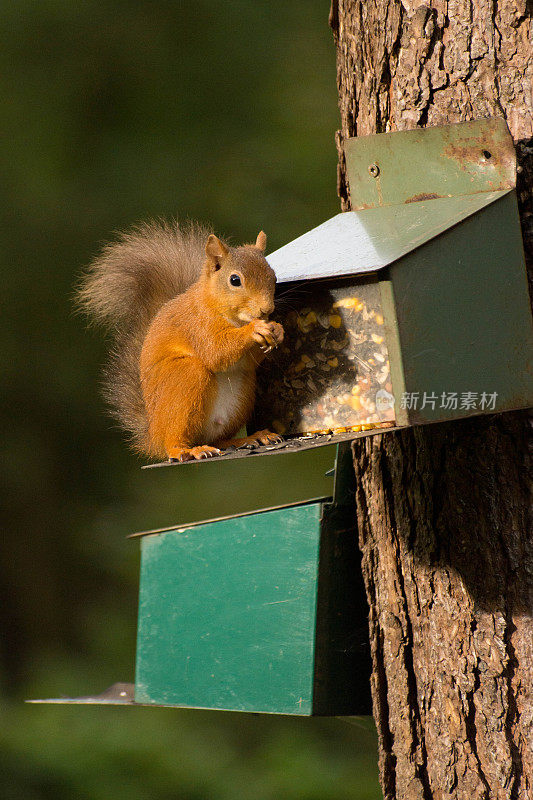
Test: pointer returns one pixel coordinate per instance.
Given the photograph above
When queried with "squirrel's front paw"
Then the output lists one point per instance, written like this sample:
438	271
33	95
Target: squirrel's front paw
267	334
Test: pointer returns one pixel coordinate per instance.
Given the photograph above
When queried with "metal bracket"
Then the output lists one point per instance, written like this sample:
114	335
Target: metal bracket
428	163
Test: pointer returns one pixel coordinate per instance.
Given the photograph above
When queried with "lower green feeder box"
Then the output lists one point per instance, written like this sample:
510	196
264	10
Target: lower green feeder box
261	613
263	610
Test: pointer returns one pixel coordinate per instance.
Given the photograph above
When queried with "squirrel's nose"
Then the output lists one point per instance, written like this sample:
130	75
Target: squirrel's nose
266	313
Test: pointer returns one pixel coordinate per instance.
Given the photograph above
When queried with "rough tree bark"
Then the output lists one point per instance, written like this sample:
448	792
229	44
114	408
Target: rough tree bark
443	509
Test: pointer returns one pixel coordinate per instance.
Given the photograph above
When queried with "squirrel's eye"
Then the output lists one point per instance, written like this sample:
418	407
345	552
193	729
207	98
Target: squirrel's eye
235	280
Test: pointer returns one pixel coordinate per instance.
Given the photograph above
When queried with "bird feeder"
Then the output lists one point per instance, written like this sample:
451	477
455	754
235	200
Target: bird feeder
263	612
412	308
253	599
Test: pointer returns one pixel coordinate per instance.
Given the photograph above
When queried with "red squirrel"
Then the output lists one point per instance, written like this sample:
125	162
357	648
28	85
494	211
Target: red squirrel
190	320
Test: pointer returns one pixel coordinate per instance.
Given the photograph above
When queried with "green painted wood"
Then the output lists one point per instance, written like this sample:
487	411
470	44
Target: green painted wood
443	161
227	614
463	317
207	490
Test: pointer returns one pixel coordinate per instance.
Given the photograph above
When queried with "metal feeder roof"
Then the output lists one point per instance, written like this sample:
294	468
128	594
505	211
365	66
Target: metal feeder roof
362	242
407	188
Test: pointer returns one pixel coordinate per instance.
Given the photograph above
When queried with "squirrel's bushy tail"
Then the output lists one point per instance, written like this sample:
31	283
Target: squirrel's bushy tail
123	289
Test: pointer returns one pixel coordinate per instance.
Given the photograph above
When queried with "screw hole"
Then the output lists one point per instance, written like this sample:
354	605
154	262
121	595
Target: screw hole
374	170
486	154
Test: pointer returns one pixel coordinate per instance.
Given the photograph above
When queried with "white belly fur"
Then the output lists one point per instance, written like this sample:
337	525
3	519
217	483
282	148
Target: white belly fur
227	401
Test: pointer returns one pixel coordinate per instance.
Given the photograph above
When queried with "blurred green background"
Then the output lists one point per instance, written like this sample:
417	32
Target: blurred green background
113	112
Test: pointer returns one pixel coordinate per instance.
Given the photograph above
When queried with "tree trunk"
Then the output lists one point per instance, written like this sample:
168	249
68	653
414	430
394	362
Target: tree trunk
443	509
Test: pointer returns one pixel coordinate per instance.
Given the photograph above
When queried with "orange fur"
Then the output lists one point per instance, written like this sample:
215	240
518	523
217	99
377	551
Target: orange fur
199	353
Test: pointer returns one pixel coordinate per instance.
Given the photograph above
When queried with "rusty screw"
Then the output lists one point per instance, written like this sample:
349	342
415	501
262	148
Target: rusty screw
374	170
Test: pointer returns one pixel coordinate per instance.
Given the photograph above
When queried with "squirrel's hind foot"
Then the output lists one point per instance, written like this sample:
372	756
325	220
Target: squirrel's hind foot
207	451
260	437
193	453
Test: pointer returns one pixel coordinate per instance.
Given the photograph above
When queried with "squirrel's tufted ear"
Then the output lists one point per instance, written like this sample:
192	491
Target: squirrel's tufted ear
215	249
261	241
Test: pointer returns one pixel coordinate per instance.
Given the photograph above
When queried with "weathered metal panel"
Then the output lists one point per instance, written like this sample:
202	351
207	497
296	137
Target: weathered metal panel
118	694
205	490
332	370
410	166
464	321
227	614
362	242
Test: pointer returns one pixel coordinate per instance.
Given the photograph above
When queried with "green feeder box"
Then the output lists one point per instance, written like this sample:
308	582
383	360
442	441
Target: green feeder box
263	612
251	598
413	307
